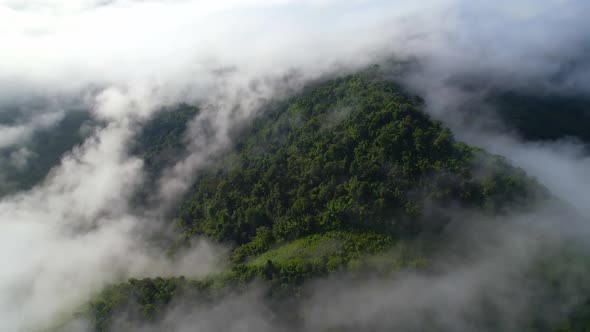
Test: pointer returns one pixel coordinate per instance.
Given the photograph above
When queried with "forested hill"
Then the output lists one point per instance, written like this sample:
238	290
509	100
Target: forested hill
341	178
353	154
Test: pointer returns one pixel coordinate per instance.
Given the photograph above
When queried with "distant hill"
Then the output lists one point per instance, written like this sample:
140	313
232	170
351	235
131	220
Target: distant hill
544	117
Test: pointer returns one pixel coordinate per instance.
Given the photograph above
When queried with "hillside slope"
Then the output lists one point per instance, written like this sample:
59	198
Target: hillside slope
342	177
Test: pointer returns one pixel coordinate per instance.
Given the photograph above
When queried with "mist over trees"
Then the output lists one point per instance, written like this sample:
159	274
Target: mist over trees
318	186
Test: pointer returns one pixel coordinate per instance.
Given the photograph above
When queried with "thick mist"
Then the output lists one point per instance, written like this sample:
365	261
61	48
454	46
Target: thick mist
121	61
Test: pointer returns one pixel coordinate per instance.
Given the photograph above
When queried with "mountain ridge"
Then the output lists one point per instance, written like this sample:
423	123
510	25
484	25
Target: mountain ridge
312	188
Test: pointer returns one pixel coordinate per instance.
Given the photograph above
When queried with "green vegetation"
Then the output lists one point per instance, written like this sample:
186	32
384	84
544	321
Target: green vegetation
352	154
140	297
161	143
338	179
161	140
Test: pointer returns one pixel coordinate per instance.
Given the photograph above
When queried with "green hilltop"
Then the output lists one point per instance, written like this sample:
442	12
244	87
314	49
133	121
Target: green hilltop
342	178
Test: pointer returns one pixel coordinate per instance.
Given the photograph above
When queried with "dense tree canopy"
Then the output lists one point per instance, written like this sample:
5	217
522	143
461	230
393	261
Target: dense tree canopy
353	153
